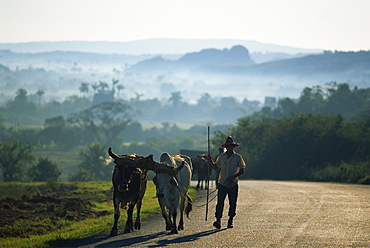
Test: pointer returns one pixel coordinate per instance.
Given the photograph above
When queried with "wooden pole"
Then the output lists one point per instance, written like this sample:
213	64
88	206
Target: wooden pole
208	172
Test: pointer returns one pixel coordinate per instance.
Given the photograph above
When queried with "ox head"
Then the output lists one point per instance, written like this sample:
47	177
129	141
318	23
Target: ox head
165	182
126	173
166	170
146	163
126	178
132	160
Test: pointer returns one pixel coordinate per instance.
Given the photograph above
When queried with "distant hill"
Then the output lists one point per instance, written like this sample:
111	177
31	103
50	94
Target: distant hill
150	46
233	71
237	56
325	63
8	56
355	65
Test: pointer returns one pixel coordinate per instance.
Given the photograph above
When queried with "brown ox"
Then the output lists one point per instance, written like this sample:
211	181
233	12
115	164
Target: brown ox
178	170
129	186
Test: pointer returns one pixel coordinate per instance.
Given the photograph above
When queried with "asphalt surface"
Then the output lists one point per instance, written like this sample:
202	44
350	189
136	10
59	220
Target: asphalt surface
269	214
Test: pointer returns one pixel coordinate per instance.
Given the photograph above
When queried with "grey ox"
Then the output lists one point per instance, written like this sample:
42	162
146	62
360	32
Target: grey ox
172	190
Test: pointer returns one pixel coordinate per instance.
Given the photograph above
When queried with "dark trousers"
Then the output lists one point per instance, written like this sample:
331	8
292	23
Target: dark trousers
232	194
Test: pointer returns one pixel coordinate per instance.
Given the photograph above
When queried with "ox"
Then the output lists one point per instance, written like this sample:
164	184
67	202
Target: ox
202	169
129	186
172	189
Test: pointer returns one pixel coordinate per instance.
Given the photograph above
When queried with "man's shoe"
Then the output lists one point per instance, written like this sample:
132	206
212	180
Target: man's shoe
217	224
230	223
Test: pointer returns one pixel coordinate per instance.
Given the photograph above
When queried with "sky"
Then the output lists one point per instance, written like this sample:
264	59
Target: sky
342	25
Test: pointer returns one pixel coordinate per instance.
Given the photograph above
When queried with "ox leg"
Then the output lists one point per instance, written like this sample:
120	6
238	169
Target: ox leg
138	221
174	215
129	223
165	214
116	217
182	204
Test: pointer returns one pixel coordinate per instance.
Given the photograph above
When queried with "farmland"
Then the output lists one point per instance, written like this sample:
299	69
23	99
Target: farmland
52	214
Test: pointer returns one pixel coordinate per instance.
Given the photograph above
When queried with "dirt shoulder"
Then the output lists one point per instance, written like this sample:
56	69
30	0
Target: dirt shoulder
53	207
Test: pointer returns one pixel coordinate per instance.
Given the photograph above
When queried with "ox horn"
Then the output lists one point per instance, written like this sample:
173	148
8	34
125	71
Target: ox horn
112	154
133	160
180	167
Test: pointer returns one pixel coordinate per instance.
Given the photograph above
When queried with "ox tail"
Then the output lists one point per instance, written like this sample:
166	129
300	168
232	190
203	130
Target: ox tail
189	206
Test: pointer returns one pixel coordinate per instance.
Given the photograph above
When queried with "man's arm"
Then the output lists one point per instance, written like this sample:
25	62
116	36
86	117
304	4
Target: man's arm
240	172
212	163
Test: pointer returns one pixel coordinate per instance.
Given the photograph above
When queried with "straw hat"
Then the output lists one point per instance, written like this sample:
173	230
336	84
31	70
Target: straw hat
230	141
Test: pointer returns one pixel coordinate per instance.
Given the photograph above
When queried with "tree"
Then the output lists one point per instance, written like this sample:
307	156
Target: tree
103	85
114	83
84	88
286	106
14	157
95	86
21	96
95	165
57	121
44	170
119	88
341	99
175	98
206	103
40	93
105	121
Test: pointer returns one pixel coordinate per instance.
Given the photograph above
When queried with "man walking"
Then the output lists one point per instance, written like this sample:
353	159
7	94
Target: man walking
231	166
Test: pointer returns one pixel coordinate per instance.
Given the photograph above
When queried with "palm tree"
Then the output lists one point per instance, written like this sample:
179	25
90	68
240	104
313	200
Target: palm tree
95	86
120	87
103	85
96	161
21	96
138	96
175	98
114	82
84	87
40	93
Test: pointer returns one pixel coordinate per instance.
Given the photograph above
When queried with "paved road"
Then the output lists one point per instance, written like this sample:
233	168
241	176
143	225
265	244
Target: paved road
269	214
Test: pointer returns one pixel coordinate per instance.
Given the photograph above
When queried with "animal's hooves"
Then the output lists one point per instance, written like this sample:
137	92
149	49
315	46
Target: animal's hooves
168	228
137	226
180	228
174	231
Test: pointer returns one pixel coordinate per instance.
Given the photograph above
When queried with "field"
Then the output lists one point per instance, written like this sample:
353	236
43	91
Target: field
67	161
52	214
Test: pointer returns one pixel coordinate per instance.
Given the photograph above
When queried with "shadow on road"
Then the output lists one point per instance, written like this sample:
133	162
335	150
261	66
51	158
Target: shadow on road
142	240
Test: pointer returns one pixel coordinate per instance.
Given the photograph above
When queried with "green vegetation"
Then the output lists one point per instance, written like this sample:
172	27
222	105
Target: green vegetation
322	136
330	99
315	147
13	159
52	229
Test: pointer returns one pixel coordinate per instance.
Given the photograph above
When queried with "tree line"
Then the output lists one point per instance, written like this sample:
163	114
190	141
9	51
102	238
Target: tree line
311	138
314	147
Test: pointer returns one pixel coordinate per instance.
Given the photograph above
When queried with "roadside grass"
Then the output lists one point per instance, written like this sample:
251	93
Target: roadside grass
17	189
61	232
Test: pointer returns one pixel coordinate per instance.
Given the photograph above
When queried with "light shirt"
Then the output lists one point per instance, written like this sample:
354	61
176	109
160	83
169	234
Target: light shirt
229	167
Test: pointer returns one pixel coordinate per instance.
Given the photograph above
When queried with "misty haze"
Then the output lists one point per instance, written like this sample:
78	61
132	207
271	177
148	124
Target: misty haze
235	72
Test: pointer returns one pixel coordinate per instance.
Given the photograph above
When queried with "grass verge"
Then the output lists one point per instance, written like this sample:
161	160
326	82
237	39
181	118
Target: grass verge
42	232
49	232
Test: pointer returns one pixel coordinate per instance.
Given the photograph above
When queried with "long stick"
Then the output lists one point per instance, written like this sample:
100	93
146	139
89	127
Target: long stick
208	172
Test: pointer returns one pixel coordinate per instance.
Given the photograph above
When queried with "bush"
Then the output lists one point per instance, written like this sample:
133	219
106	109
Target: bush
346	173
44	170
